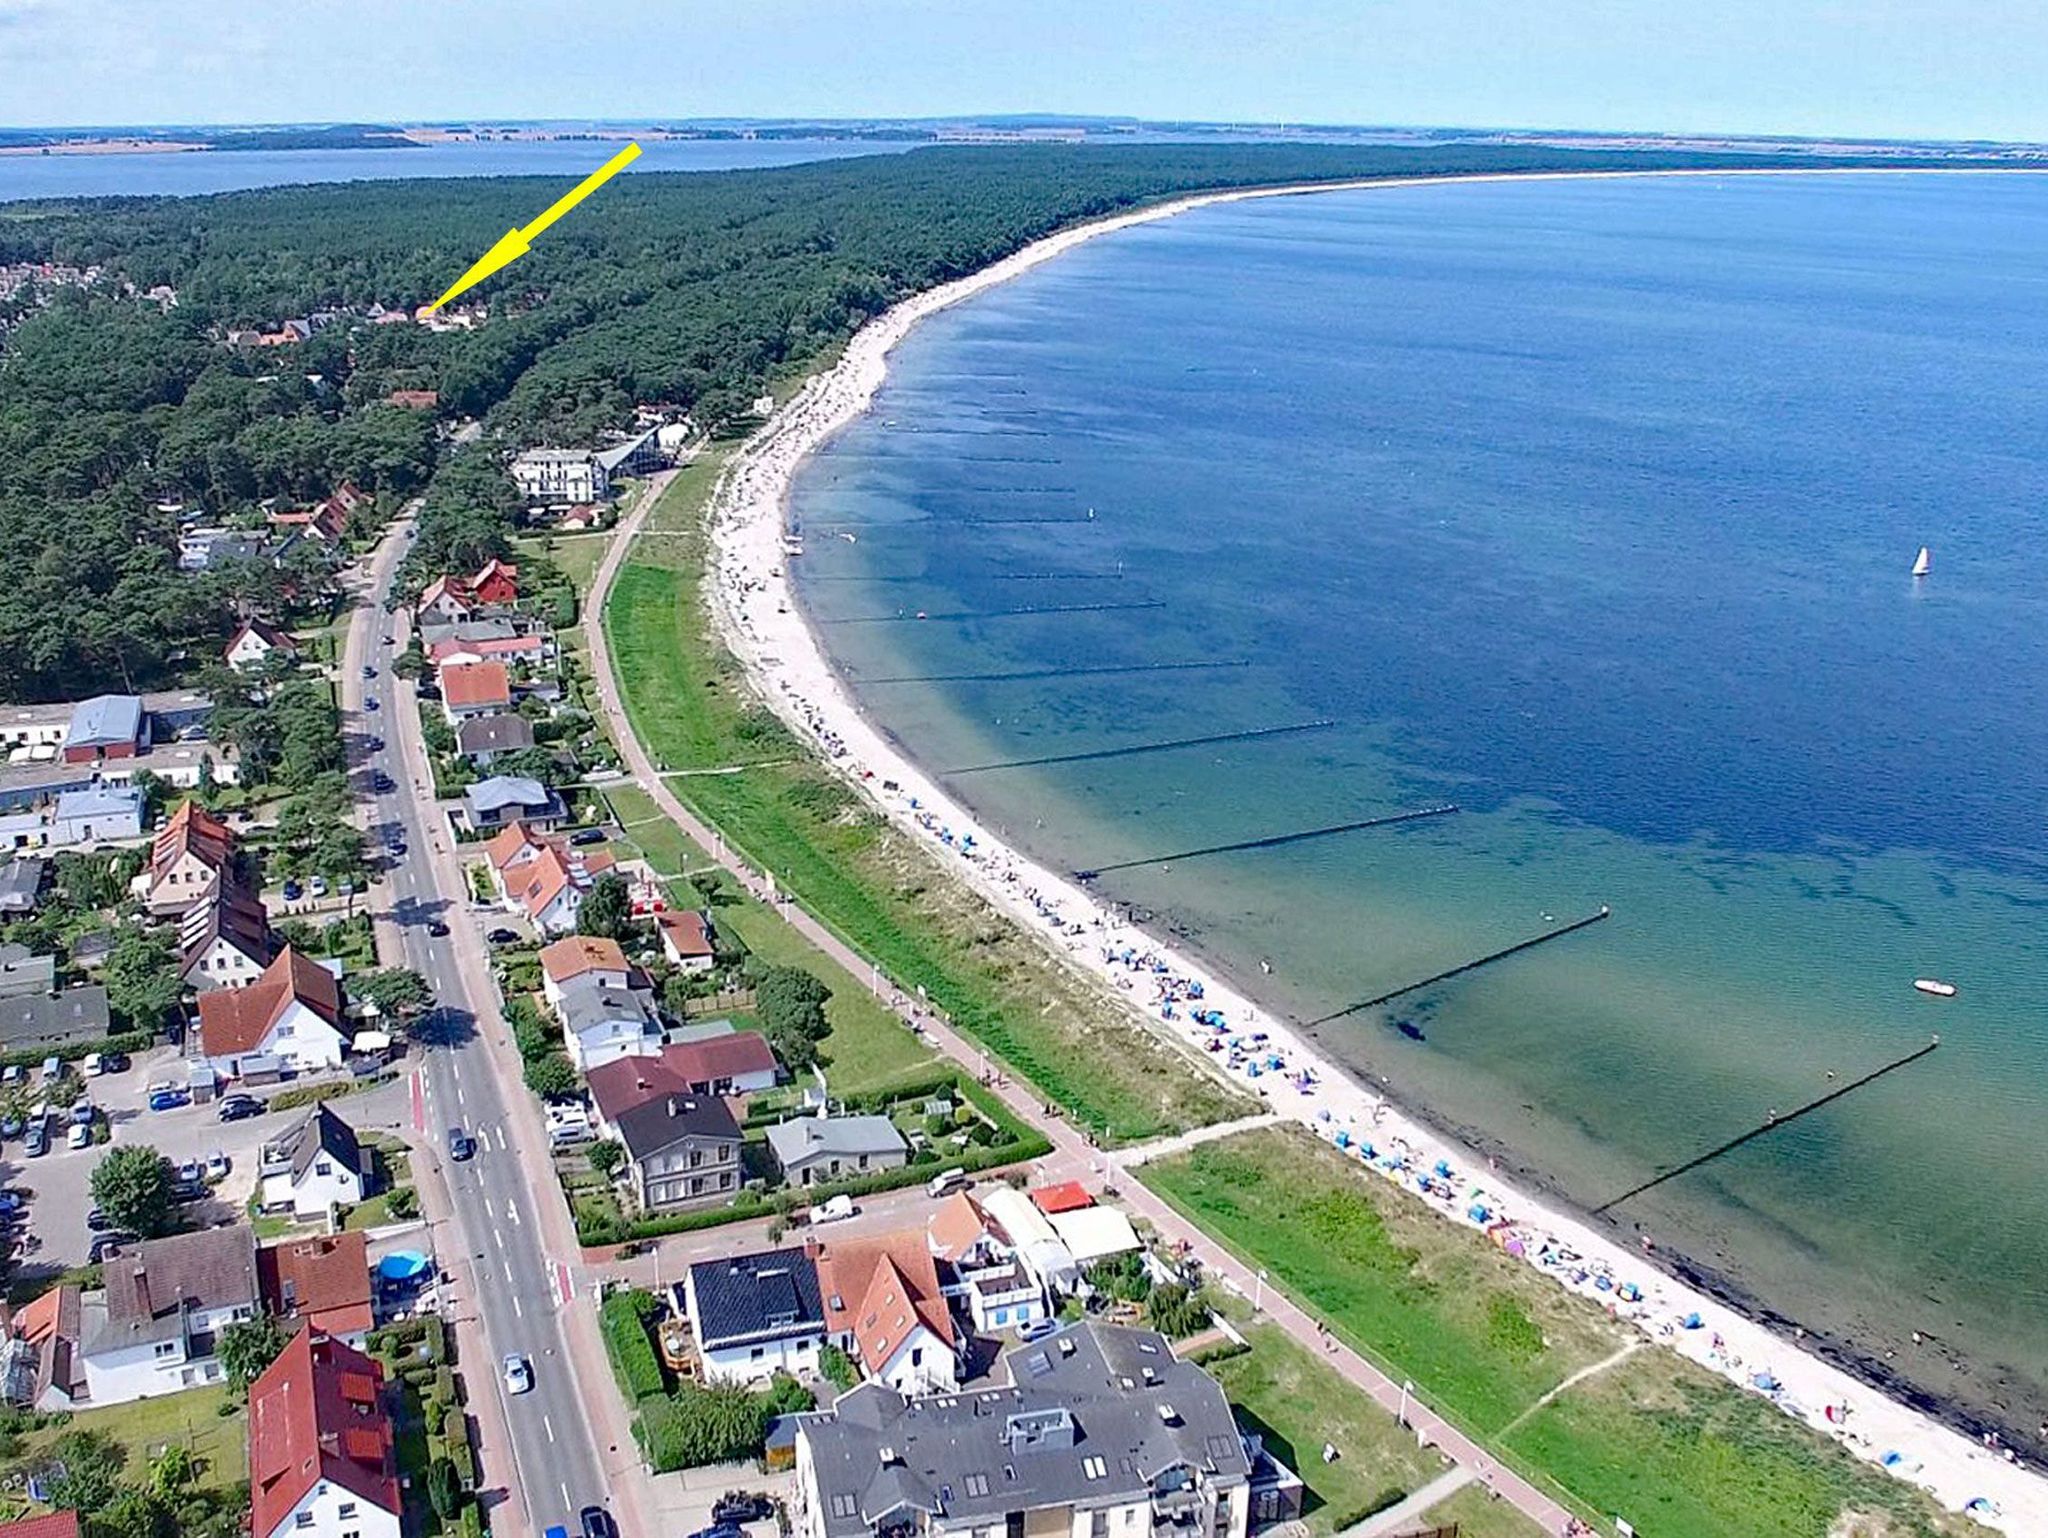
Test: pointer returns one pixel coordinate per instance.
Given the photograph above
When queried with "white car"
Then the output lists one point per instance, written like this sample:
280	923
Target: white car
833	1210
518	1375
80	1135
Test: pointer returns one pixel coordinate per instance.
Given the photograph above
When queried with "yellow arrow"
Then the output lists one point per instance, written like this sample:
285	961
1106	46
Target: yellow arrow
514	244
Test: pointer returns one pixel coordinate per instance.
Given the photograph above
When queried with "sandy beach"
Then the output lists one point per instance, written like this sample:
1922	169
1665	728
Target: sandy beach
1222	1030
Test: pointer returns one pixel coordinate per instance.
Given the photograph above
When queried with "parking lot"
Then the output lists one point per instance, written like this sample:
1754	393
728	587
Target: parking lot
59	1237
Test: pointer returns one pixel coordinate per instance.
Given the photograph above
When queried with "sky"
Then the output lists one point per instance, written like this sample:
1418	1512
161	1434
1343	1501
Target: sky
1878	68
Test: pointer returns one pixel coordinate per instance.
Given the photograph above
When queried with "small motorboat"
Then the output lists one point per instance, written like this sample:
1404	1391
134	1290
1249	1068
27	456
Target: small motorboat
1935	987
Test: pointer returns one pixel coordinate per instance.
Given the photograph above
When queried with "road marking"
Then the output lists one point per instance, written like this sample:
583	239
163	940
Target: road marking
512	1212
458	1095
548	1426
498	1235
517	1307
508	1273
501	1138
565	1495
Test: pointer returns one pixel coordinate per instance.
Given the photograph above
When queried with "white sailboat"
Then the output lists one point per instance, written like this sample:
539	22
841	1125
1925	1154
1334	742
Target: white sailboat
1923	563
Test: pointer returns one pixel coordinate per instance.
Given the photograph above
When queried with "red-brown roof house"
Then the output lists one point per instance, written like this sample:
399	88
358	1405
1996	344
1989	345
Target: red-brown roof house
474	689
51	1524
317	1426
414	400
883	1307
322	1282
291	1013
1067	1196
686	938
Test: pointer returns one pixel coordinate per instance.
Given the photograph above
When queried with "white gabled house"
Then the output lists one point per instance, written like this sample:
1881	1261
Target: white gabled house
155	1327
315	1165
323	1458
291	1017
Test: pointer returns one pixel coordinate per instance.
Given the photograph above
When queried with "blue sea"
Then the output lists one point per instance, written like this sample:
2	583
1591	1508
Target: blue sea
1588	507
193	172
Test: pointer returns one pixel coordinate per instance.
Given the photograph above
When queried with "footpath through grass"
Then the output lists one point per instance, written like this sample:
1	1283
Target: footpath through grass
1679	1452
874	886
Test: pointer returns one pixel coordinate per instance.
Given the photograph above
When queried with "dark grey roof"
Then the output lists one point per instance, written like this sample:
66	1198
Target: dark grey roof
20	880
151	1286
589	1001
322	1131
668	1119
38	1020
23	973
770	1293
1094	1414
503	791
494	734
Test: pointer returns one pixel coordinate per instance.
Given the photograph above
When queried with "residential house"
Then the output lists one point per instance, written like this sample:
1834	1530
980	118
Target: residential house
544	878
98	815
414	400
1000	1296
189	860
106	726
528	648
323	1283
225	940
323	1458
756	1315
291	1016
583	956
1100	1432
1062	1196
601	1022
884	1309
738	1063
155	1327
1033	1241
815	1149
201	549
452	598
39	1020
979	1268
24	974
1094	1233
41	1367
474	689
444	600
638	455
686	940
682	1151
255	643
483	739
314	1166
491	804
49	1524
496	585
561	475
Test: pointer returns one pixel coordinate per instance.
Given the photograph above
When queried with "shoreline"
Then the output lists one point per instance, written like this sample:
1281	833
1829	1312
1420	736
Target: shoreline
761	622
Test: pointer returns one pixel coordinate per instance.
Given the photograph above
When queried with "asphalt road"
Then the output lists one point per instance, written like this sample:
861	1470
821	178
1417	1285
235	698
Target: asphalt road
518	1290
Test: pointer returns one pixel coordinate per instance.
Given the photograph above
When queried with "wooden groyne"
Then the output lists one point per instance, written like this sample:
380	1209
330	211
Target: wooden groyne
1169	745
1471	966
1770	1123
1275	840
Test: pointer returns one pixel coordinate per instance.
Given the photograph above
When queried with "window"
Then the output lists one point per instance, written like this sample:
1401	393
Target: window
977	1484
725	1180
302	1519
863	1161
696	1157
166	1348
754	1355
1098	1524
323	1168
1094	1468
916	1356
345	1510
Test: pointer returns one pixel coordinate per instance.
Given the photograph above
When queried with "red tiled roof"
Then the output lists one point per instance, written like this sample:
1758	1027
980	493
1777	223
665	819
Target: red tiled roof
956	1227
476	683
1067	1196
723	1057
578	954
267	632
419	400
51	1524
509	841
192	828
877	1289
546	878
305	1426
324	1281
54	1312
233	1020
445	587
494	646
686	932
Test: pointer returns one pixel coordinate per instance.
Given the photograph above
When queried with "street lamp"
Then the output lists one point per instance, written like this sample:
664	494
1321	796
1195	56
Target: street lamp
1259	1292
1407	1388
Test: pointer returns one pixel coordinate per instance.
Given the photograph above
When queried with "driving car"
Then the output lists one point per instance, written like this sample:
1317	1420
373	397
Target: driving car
834	1209
438	930
518	1375
376	744
238	1107
371	704
368	671
597	1523
460	1144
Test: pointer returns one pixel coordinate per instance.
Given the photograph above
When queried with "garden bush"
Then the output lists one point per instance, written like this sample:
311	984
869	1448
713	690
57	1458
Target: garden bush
623	1320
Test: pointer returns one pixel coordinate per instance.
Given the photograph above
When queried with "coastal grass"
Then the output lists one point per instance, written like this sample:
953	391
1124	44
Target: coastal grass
1476	1513
1654	1438
1296	1403
873	885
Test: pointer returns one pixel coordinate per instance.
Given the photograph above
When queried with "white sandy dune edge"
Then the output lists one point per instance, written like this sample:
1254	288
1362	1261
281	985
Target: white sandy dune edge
757	614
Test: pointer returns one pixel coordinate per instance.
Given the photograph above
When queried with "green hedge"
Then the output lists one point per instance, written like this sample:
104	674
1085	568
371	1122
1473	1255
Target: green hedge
455	1437
311	1094
623	1321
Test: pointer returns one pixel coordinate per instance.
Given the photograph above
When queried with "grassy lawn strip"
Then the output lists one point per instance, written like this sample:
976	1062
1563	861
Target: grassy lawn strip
219	1442
1478	1514
1296	1404
1679	1452
884	893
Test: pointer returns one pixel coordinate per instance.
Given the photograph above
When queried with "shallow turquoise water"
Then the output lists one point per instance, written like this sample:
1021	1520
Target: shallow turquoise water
1588	506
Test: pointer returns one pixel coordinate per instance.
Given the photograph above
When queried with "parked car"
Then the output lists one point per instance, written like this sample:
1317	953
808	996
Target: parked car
317	886
217	1167
503	937
518	1375
438	930
98	1221
834	1209
737	1506
430	691
168	1097
82	1114
184	1192
113	1062
293	891
461	1145
37	1143
191	1172
80	1135
598	1523
239	1107
93	1064
104	1245
1038	1329
588	836
11	1127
